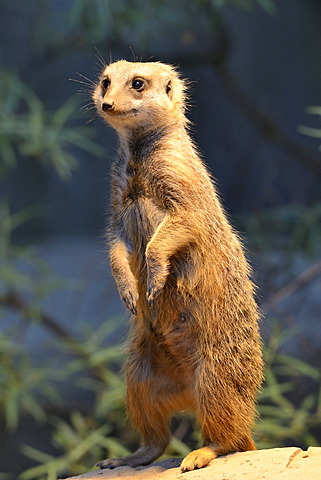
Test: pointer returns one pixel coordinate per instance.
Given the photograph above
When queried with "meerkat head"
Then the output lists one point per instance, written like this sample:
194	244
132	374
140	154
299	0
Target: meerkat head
140	95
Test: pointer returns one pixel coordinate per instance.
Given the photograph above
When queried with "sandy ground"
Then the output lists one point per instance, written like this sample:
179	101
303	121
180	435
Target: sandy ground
289	463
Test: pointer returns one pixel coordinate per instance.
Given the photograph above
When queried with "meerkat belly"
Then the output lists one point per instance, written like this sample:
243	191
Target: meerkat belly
140	217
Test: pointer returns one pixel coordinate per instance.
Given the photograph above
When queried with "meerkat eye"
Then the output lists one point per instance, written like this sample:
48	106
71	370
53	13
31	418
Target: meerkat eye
105	84
169	88
138	84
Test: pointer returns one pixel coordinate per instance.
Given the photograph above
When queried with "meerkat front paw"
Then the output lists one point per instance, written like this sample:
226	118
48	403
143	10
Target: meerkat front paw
154	287
152	293
130	299
156	278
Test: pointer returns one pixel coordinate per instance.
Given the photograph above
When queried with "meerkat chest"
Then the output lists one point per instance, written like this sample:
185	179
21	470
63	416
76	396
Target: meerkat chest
128	184
138	208
135	186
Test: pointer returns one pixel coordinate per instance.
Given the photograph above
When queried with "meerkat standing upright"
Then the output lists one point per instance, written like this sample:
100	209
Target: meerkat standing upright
180	269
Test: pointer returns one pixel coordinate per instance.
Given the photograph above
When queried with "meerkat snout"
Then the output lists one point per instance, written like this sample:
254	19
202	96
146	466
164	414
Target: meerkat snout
107	106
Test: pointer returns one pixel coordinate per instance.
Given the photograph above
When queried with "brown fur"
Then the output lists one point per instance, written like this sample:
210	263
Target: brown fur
180	268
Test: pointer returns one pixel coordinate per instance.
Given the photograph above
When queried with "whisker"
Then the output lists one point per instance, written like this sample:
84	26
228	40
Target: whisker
92	119
90	102
91	82
88	111
88	106
100	58
97	67
85	91
89	85
133	54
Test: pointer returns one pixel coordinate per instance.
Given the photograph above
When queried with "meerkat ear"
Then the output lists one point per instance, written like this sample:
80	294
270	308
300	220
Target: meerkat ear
169	91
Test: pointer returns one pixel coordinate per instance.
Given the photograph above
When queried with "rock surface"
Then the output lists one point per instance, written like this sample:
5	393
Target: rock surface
290	463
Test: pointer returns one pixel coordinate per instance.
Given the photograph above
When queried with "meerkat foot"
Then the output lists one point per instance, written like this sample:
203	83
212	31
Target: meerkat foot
198	458
143	456
111	463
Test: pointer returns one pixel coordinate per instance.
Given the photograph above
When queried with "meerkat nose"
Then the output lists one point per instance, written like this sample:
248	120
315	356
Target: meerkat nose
108	106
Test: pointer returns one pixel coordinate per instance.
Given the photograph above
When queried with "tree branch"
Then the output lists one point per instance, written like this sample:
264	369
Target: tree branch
14	300
291	287
265	125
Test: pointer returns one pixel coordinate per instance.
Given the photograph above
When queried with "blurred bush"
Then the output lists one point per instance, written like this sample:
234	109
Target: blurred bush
27	128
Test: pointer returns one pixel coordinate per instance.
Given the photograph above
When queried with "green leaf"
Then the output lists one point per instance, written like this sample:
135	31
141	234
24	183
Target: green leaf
64	112
315	110
299	366
114	447
11	406
309	131
276	412
57	465
272	390
268	6
308	403
106	355
34	408
180	448
319	403
35	454
88	443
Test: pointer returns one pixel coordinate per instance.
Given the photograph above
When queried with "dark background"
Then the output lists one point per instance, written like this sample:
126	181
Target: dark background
271	60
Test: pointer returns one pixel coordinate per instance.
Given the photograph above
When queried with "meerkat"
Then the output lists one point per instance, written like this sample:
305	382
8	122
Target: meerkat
180	268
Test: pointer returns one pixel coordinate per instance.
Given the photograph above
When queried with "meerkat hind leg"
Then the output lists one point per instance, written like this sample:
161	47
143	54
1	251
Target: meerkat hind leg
143	456
148	407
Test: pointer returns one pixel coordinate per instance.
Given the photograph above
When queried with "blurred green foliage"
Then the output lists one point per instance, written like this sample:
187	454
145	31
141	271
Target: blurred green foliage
285	417
289	228
81	438
27	389
19	382
28	128
112	23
